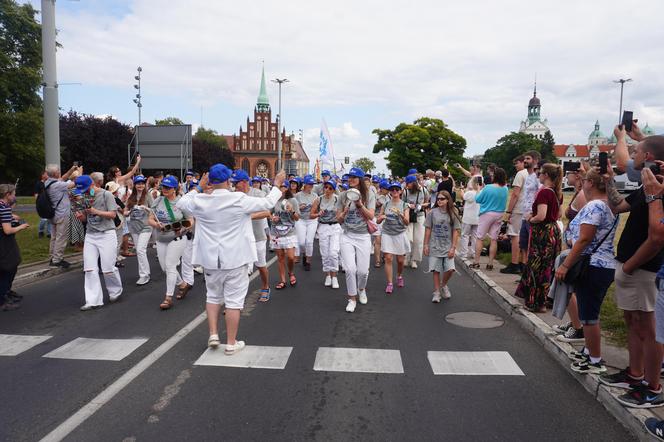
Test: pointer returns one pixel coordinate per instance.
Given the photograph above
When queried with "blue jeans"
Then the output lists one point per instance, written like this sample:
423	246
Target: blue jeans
44	223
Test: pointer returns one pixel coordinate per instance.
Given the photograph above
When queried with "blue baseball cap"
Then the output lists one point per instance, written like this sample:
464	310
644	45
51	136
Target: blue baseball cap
411	179
83	184
375	179
384	184
335	177
412	171
239	175
309	180
169	181
189	173
139	179
344	186
330	183
394	185
219	174
344	177
356	172
325	172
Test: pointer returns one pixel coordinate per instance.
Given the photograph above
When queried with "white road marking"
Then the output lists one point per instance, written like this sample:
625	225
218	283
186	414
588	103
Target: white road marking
252	356
75	420
97	349
473	363
12	345
358	360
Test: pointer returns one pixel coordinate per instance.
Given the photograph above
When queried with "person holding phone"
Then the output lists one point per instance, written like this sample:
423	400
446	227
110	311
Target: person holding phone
138	212
10	254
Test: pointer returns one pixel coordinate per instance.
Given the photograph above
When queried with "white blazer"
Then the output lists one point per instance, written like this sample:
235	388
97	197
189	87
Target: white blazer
224	238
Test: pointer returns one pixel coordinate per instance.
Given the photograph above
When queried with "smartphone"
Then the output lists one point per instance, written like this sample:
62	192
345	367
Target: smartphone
603	162
627	119
654	167
75	163
480	180
572	167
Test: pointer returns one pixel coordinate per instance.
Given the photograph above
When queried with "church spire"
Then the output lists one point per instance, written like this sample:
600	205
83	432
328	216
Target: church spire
263	102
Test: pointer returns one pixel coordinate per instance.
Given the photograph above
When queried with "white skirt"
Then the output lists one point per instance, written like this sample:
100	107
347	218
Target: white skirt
395	244
284	242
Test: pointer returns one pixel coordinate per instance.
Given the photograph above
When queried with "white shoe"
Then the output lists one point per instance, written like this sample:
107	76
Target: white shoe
328	281
350	307
213	341
446	293
335	283
143	280
436	297
363	297
232	349
113	299
198	269
413	265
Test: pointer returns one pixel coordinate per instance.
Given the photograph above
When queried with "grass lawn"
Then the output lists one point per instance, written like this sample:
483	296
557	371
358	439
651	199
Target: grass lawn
25	200
32	247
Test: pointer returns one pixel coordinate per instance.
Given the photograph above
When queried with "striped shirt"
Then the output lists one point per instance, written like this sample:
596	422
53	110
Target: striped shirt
5	213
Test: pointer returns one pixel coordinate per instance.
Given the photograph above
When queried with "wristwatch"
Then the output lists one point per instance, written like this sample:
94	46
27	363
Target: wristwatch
651	198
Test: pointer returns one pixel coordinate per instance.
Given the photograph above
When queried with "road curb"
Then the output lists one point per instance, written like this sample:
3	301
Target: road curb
631	418
36	271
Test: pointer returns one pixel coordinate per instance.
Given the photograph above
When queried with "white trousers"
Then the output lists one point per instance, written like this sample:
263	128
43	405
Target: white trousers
169	254
100	246
141	244
355	255
416	237
306	232
228	286
187	267
328	241
467	243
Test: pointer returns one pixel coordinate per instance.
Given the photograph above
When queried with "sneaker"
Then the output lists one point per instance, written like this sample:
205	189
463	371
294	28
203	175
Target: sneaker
88	307
578	356
350	307
363	297
642	397
571	335
40	234
143	280
389	289
622	379
13	296
511	269
213	341
561	328
400	282
655	427
446	293
335	283
413	265
113	299
436	297
328	281
8	306
587	367
232	349
64	264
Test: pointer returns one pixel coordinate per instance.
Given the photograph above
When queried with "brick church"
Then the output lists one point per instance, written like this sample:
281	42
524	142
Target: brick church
255	149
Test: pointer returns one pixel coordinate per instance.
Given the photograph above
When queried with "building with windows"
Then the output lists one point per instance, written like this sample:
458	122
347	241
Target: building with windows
534	124
255	148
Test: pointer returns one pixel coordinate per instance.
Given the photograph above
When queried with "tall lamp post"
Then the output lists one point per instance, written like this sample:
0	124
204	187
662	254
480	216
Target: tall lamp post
279	141
622	85
50	84
139	105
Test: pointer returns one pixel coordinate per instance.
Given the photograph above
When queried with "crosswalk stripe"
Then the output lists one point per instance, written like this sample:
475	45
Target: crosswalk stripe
358	360
479	363
97	349
13	345
252	356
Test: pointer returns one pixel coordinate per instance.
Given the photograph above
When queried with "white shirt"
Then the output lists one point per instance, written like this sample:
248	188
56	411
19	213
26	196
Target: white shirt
471	210
224	236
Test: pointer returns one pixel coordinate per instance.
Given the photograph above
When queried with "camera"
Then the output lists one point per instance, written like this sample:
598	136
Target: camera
17	222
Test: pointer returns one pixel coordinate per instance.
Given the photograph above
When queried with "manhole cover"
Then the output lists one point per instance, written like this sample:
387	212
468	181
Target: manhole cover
474	320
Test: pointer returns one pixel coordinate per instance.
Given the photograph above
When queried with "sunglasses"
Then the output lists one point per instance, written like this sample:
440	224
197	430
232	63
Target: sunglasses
184	224
441	199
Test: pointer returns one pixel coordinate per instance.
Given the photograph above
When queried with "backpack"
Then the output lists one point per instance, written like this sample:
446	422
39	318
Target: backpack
45	207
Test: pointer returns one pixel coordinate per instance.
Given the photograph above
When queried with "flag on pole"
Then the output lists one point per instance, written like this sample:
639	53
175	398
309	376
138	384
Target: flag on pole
317	170
325	151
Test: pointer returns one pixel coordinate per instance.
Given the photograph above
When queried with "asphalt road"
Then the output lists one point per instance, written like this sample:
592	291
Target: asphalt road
175	400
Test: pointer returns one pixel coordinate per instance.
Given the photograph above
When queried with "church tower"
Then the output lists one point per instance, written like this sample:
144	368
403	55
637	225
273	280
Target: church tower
534	107
263	102
534	124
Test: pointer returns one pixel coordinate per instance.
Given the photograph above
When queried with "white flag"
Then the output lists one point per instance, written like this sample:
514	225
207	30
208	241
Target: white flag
326	154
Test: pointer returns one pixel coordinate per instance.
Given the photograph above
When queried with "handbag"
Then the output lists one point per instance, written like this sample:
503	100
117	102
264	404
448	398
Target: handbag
580	267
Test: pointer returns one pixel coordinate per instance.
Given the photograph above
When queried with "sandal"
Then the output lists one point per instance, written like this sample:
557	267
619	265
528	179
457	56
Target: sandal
280	285
474	266
265	297
489	267
166	303
183	291
292	279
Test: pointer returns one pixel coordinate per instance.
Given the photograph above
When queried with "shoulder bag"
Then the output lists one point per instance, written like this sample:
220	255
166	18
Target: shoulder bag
580	267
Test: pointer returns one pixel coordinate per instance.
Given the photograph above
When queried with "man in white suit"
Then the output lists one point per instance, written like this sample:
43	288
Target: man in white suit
224	246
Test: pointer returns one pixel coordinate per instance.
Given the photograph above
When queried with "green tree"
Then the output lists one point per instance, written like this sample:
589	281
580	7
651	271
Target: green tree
427	143
211	137
364	163
509	147
168	121
21	119
546	150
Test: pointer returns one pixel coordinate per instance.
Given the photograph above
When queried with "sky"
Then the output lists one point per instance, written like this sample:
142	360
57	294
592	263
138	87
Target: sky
362	65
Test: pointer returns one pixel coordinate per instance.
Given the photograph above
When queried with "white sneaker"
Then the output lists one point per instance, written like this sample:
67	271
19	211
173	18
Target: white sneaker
350	307
113	299
328	281
335	283
143	280
436	297
413	265
446	293
213	341
232	349
363	297
198	269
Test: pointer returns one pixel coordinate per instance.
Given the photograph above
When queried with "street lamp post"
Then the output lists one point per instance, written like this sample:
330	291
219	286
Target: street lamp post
139	105
50	84
622	85
279	141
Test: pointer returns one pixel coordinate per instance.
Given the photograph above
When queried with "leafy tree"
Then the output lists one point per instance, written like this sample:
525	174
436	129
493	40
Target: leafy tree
427	143
364	163
206	154
211	137
509	147
168	121
21	119
95	142
547	152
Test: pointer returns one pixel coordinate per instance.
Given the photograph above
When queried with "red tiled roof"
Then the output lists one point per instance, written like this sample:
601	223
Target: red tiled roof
582	150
